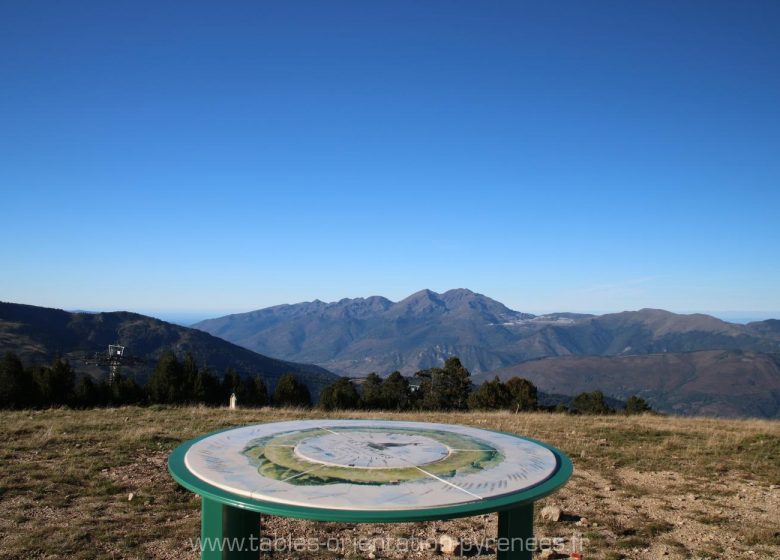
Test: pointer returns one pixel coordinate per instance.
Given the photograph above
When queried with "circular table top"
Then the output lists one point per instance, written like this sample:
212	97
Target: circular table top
366	470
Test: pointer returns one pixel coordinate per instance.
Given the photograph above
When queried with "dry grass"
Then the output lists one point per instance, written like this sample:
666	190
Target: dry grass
648	486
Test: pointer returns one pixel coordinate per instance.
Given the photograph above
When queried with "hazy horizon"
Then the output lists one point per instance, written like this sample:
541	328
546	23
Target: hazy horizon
188	317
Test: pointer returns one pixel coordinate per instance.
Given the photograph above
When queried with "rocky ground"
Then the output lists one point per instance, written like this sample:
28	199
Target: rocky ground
94	484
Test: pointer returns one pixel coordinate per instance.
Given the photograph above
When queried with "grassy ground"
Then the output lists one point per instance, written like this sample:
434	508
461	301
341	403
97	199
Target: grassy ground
644	487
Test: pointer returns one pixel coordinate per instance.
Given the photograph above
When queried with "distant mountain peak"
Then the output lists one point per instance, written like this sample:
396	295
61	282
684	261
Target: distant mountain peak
460	292
450	298
452	295
422	294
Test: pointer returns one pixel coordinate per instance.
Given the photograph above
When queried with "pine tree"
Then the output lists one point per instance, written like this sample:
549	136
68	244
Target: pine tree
56	384
590	403
87	393
206	389
637	405
247	392
524	394
165	383
371	395
491	395
446	388
17	389
199	391
189	378
126	391
260	391
395	393
233	384
291	392
339	395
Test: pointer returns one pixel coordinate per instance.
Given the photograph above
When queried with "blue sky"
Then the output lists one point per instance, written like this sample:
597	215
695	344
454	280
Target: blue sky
205	157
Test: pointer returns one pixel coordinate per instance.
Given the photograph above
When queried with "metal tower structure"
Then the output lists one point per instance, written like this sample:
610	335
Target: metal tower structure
114	359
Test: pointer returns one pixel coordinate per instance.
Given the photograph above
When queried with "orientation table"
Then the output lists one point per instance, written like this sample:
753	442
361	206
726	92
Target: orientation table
364	471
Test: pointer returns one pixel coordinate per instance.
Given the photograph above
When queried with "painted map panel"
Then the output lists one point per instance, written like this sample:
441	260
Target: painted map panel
368	464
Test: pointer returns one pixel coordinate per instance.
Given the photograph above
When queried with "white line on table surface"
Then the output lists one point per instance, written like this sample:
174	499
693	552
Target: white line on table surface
302	473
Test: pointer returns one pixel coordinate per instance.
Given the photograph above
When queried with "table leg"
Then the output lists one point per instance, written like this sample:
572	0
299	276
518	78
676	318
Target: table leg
515	533
228	533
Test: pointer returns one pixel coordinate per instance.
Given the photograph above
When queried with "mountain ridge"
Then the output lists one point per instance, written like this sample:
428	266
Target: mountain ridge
36	334
360	335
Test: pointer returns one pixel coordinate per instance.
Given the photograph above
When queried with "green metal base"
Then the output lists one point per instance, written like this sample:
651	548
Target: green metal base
228	533
231	533
515	533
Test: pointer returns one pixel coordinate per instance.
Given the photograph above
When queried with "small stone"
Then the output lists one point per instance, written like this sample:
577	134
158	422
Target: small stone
448	544
582	522
130	497
609	488
551	513
692	497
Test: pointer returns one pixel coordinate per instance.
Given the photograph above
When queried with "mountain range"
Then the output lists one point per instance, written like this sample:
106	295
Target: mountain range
688	364
356	336
37	334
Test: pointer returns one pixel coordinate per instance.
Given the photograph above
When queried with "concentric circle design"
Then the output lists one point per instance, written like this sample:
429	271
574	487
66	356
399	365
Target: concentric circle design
370	450
368	465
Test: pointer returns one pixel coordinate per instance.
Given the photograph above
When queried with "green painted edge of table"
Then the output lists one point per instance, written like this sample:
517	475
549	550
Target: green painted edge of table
183	476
